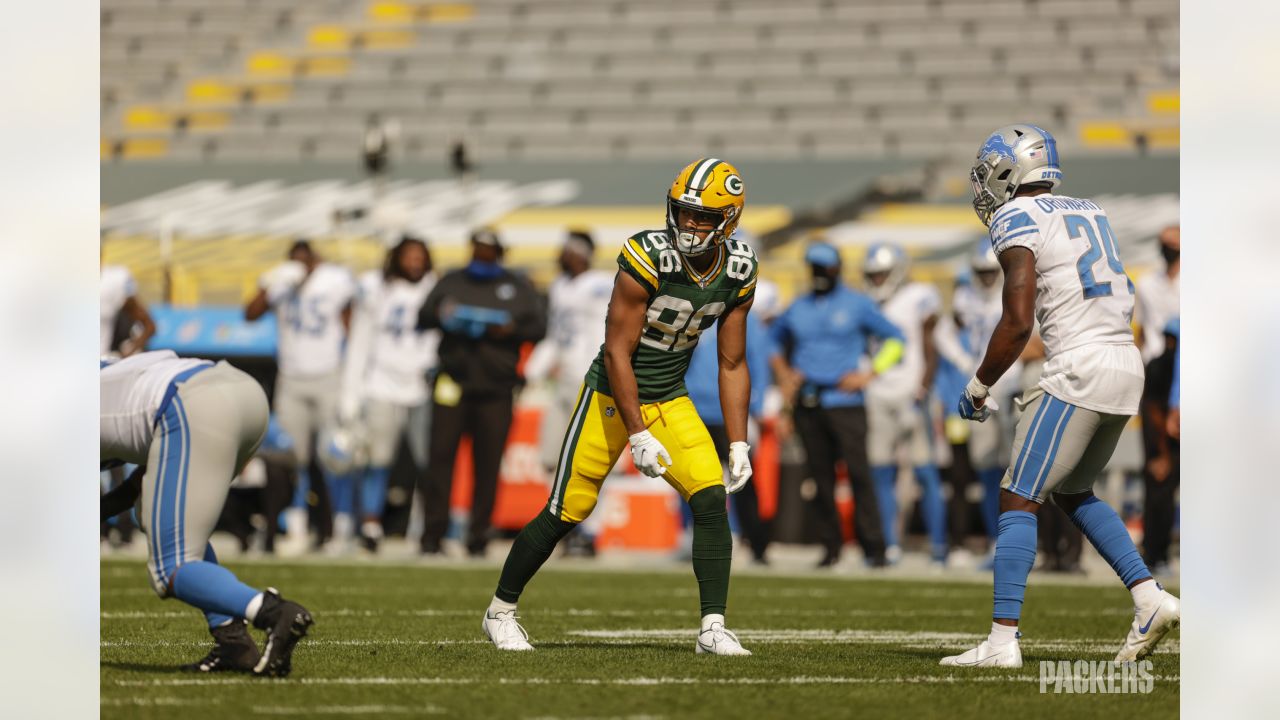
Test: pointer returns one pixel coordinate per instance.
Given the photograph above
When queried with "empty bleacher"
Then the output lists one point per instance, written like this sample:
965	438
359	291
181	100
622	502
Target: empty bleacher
292	80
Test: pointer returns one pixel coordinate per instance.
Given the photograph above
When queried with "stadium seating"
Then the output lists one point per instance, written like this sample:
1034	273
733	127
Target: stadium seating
226	80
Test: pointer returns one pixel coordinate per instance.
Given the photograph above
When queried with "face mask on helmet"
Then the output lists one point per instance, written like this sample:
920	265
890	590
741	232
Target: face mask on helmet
1012	156
697	229
883	271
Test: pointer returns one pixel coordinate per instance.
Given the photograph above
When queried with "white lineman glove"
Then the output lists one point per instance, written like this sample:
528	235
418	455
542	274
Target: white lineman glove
647	453
282	278
739	467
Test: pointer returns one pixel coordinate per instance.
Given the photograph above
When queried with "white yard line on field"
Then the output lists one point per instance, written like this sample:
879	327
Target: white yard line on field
310	710
962	678
922	640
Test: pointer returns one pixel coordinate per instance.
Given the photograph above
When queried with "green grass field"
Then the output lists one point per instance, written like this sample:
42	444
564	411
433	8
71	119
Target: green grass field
406	641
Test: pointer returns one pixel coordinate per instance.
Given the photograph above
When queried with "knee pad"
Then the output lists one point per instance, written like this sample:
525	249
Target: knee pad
708	505
577	506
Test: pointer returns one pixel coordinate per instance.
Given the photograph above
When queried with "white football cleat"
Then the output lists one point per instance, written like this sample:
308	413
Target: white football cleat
1150	625
505	631
716	640
1008	655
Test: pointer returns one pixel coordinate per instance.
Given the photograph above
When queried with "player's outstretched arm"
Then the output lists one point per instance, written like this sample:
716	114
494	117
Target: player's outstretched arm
1018	317
735	378
623	325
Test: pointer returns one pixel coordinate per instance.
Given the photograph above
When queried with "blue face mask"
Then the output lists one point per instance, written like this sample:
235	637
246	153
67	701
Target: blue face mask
481	270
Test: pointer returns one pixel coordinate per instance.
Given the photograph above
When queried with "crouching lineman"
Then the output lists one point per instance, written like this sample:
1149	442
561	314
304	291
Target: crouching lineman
672	285
193	425
1061	267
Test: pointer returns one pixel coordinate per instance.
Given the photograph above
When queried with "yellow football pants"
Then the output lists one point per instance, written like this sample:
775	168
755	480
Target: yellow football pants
596	437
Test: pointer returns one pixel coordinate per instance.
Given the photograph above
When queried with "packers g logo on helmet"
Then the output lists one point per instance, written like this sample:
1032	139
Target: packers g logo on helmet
711	191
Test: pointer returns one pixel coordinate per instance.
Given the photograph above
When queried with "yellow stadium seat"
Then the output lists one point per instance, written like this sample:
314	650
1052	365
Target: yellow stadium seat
209	90
446	12
269	63
147	117
386	39
1164	103
326	66
329	36
391	12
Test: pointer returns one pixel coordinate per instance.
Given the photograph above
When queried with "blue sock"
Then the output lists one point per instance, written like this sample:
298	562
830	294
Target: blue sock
215	619
212	588
990	479
341	493
303	488
1107	532
373	491
935	512
1015	556
885	478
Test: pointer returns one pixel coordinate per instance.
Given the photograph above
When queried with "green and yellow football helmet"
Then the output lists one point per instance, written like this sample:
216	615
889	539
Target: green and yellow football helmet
711	192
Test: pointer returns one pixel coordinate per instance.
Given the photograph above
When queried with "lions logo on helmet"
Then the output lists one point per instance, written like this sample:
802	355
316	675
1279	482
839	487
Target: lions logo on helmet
884	269
706	192
1012	156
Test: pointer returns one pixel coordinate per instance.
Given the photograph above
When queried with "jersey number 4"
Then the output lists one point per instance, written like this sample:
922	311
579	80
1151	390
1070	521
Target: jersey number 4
1080	226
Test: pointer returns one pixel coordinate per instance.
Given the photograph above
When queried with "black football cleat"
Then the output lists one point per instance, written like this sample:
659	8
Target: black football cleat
286	622
233	650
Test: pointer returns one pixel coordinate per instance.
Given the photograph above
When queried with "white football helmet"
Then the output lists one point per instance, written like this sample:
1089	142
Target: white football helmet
888	260
982	261
1012	156
342	449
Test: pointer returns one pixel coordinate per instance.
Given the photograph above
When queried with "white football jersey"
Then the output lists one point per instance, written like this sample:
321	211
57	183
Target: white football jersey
387	359
979	310
576	313
132	391
907	308
117	286
1158	303
1084	300
309	319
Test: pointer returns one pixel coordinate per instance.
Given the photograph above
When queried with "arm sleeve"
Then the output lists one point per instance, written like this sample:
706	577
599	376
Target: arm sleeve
1175	392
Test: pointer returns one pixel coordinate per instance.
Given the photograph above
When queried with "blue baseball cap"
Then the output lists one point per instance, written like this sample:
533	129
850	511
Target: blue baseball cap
822	254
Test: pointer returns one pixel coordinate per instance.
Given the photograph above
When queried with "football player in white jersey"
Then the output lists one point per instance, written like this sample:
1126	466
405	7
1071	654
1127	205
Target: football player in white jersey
1061	268
312	300
192	425
119	293
578	301
977	308
384	382
896	412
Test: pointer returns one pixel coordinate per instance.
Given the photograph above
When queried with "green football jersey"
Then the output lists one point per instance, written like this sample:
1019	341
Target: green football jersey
682	304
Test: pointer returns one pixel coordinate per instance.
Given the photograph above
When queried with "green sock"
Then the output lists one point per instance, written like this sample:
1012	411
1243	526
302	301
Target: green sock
712	548
532	547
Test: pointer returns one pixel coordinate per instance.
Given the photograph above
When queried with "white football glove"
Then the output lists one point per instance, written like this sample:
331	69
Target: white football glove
282	278
649	454
739	467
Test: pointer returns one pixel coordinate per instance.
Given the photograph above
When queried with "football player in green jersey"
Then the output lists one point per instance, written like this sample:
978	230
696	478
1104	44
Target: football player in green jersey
671	285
